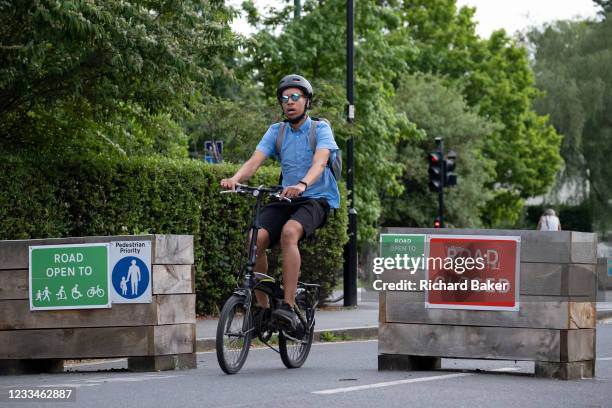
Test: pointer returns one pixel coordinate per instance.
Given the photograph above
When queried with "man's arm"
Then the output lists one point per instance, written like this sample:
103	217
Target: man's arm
319	162
246	171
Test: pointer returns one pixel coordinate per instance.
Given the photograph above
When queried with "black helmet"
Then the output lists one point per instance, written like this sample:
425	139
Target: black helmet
295	81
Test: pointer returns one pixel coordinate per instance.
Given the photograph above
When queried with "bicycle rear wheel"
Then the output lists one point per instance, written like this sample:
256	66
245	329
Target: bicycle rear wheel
232	343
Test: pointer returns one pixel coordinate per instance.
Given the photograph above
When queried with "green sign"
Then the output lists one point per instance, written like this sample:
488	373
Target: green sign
69	277
412	245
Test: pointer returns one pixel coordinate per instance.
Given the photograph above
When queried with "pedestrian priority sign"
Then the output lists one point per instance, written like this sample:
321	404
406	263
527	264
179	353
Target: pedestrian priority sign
130	271
69	277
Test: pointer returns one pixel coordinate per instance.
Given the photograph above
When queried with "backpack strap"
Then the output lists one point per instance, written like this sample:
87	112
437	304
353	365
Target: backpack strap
312	135
280	138
312	139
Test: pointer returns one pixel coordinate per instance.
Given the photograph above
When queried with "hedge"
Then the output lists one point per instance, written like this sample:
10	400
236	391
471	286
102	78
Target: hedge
96	196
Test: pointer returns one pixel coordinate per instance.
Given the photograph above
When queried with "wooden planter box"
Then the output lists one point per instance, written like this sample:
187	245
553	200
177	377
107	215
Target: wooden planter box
555	326
155	336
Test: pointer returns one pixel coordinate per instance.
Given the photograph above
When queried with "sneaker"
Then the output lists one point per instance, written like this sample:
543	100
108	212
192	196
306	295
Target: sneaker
286	317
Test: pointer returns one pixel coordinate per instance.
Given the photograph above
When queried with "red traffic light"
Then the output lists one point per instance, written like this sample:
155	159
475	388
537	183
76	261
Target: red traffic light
435	158
437	223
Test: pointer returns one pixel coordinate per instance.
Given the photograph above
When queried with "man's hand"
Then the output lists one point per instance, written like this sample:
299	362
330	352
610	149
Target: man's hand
229	183
293	191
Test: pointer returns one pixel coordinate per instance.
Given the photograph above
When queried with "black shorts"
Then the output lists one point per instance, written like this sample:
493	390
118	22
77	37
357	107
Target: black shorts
311	213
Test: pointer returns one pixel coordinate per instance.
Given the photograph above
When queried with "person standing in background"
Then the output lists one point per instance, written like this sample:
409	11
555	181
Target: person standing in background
549	221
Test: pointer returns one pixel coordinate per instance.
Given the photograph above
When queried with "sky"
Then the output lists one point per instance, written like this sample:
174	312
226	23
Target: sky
512	15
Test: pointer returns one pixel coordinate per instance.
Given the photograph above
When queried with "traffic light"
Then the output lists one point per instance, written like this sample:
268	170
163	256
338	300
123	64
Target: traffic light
437	223
435	171
450	177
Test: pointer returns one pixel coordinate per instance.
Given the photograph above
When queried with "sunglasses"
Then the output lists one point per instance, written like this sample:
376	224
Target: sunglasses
294	97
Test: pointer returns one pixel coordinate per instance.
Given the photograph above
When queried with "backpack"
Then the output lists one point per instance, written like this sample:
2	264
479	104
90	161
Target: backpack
334	165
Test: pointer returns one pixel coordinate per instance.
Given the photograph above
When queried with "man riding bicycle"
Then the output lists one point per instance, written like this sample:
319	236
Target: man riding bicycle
306	179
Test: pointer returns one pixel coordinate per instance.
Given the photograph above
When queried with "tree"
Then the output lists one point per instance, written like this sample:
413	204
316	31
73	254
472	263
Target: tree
84	64
572	65
496	78
606	6
440	111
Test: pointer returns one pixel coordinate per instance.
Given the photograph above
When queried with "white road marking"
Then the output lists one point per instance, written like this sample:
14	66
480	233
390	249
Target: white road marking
390	383
407	381
130	379
604	359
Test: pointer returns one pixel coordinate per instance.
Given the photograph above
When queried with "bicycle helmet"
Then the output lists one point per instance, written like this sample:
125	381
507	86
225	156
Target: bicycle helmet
295	81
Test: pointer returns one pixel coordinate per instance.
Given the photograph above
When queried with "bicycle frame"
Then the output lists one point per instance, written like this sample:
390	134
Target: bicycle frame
248	283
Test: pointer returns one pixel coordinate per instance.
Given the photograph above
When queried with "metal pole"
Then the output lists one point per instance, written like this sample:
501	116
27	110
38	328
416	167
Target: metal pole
350	250
440	143
297	9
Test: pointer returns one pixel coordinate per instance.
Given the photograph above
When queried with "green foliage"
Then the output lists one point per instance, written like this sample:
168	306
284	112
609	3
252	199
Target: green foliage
152	196
106	72
440	111
572	64
238	122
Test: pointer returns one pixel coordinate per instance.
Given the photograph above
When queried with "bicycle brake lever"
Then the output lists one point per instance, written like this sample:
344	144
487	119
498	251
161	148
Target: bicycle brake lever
278	196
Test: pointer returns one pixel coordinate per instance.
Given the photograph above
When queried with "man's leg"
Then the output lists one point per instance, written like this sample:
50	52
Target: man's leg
290	236
261	263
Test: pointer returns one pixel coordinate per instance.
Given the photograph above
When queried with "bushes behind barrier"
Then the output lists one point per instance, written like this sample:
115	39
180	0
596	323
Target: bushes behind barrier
77	196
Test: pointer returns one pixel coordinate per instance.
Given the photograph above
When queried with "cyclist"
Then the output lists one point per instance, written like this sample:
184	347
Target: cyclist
306	179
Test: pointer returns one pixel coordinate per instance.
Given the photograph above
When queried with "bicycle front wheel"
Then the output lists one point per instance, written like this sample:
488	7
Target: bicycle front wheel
294	351
232	341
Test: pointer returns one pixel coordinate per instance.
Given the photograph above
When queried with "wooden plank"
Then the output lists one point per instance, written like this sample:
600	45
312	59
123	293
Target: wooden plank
382	307
173	339
582	280
168	279
565	371
584	248
535	312
75	343
536	246
577	345
16	315
164	309
174	309
14	254
14	284
173	250
500	343
97	342
537	279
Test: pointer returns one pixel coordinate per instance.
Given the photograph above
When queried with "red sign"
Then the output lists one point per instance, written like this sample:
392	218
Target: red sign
473	272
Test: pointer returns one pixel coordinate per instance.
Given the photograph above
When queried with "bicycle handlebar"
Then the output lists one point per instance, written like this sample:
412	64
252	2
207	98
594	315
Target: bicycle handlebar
272	191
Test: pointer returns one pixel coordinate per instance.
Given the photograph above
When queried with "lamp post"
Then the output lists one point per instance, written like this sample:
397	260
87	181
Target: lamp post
350	250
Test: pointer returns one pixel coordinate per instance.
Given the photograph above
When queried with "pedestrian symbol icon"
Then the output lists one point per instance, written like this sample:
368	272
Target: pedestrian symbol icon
45	294
130	277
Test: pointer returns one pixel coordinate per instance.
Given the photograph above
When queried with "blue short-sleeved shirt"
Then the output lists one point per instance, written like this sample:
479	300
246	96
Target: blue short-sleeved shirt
297	158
